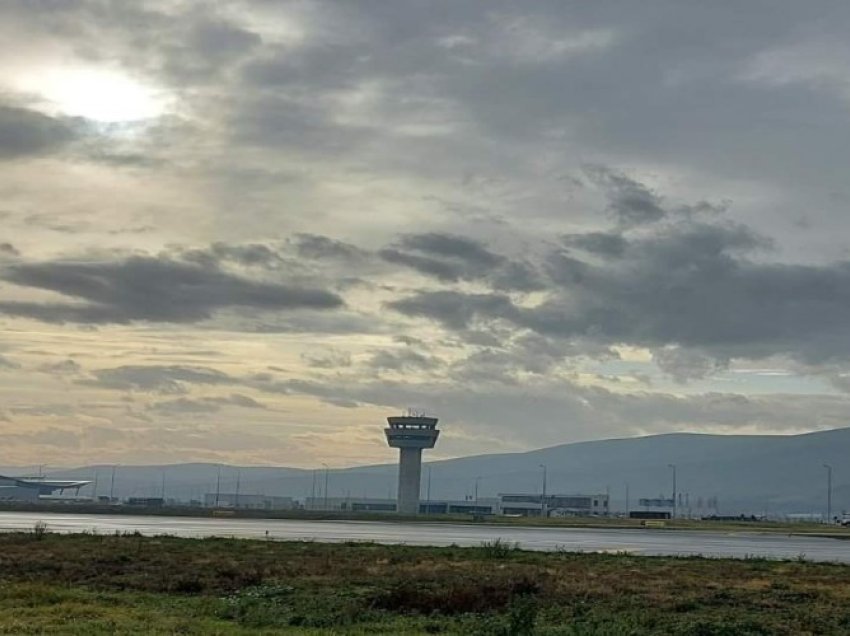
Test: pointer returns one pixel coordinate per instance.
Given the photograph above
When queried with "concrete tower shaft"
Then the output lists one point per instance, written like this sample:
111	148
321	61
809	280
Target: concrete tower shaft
410	434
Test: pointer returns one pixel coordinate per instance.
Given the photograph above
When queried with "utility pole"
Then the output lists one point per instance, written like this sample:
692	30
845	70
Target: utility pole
673	466
828	493
543	507
327	470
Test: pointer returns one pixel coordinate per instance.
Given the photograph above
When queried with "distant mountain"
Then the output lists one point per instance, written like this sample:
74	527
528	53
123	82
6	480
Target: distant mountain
746	473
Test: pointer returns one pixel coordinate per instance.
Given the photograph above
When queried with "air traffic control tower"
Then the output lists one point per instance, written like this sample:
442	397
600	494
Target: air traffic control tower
410	433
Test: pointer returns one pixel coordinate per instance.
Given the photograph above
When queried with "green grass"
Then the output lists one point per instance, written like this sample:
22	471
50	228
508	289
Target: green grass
88	584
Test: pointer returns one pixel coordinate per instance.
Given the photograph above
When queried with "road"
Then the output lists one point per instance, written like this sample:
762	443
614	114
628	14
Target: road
654	542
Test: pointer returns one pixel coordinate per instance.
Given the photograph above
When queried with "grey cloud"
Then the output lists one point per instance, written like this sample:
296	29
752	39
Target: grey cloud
404	360
327	359
687	283
8	250
529	353
606	244
452	258
564	411
452	246
26	132
63	367
684	365
150	289
157	378
631	202
443	270
205	405
325	391
455	310
318	247
250	255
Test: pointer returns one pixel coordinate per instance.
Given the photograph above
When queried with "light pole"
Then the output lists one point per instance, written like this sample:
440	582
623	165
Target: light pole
327	470
238	483
673	466
828	493
543	506
218	486
477	479
112	485
162	492
313	492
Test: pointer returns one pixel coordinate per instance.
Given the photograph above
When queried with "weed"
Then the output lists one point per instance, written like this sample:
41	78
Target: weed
39	530
499	549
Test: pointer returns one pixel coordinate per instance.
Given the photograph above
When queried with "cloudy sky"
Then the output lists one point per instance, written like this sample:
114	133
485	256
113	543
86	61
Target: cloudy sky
248	231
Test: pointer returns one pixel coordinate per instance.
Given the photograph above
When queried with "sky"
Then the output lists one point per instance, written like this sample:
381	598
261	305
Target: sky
248	231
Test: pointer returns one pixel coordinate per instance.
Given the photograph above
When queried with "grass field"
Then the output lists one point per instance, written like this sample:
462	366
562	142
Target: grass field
89	584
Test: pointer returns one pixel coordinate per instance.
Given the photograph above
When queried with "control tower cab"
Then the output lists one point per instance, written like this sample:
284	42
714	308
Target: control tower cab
410	433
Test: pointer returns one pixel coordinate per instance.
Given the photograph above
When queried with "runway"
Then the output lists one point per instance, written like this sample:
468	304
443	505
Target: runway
651	542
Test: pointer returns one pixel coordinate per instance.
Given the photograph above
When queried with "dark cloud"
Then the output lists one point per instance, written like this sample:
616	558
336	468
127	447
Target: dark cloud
689	284
455	310
249	255
443	256
631	202
26	132
318	247
150	289
452	258
605	244
157	378
452	246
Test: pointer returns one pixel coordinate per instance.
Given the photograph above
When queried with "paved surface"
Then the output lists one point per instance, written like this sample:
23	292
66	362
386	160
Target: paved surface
648	542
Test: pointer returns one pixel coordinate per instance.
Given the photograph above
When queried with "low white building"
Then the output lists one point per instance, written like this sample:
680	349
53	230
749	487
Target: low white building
538	505
248	501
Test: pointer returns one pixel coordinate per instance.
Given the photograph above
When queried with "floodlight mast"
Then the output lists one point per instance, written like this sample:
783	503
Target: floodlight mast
410	433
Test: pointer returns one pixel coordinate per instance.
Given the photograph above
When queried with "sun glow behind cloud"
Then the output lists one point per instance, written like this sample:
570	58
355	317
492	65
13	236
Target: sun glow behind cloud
98	94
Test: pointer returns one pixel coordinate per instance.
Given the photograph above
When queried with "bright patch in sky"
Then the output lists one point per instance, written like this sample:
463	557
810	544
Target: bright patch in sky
96	94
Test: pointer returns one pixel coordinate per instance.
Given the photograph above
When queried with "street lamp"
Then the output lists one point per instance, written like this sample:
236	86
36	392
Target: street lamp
543	507
673	466
828	493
